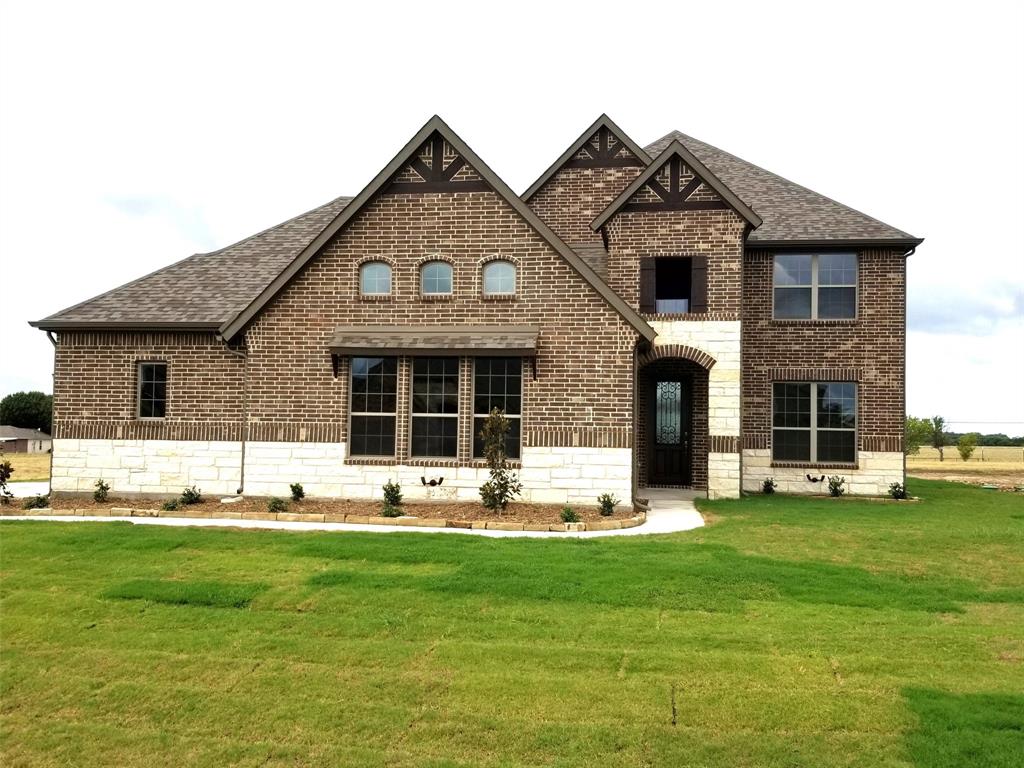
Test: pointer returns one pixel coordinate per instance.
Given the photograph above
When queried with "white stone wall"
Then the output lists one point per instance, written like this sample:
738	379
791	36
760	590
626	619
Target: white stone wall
721	340
146	466
875	471
570	475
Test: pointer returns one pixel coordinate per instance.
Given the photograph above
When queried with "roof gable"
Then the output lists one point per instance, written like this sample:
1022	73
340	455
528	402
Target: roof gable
602	145
676	180
409	172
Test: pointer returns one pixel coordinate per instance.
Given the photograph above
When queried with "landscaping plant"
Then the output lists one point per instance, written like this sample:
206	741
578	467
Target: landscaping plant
298	493
607	503
171	505
392	494
191	495
503	485
6	470
275	504
835	485
898	490
36	502
569	515
102	488
768	486
390	510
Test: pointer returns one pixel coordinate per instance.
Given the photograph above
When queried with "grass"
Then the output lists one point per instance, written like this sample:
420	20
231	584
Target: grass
791	632
29	466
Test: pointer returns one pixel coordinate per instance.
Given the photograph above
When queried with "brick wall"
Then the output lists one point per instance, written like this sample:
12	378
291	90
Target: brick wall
574	197
869	350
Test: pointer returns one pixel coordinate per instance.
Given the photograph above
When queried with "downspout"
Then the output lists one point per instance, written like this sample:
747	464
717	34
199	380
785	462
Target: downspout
244	357
53	386
903	394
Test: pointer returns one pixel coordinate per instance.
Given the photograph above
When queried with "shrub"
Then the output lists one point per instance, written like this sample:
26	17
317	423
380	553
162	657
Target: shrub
966	445
768	486
390	510
898	490
6	470
100	494
191	496
298	493
171	505
503	485
569	515
36	502
392	495
274	504
835	485
607	502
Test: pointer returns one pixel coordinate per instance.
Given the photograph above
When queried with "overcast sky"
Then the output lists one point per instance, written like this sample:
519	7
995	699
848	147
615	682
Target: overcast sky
132	135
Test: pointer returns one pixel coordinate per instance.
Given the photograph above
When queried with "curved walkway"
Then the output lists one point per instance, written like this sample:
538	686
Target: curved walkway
668	514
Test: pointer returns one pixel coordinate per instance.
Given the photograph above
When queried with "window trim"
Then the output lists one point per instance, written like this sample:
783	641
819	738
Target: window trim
474	415
499	294
351	391
815	286
439	294
359	279
813	428
138	389
458	407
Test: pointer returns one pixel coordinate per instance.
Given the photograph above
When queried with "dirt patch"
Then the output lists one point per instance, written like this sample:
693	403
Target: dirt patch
1005	480
453	510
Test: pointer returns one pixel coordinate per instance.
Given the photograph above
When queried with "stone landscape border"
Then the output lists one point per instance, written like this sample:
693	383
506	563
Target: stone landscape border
301	517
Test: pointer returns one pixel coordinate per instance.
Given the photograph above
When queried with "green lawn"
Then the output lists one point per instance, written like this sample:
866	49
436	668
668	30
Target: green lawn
790	632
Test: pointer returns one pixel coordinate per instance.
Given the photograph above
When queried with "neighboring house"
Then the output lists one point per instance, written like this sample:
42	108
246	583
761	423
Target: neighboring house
669	315
22	440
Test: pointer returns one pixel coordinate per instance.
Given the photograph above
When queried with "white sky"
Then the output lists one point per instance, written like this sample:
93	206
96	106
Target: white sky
132	135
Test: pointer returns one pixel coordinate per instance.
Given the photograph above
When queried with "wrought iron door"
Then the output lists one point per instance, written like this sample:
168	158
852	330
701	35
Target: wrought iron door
670	439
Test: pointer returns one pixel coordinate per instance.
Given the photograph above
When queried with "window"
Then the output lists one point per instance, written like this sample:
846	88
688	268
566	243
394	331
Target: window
435	406
152	390
498	383
815	286
436	278
374	403
814	422
499	278
375	279
672	285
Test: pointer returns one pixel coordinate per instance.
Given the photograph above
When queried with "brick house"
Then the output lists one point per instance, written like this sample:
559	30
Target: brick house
660	316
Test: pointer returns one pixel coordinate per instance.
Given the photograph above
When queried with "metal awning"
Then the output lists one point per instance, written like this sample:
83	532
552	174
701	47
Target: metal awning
376	340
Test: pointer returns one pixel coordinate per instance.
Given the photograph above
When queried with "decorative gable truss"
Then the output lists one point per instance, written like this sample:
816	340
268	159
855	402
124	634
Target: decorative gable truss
675	187
604	150
436	167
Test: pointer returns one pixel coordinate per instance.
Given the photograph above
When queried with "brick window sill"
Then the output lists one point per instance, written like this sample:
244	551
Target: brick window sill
498	296
665	317
794	322
439	463
375	297
436	296
811	465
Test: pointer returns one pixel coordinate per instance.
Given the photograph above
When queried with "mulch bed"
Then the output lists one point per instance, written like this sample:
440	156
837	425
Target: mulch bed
451	510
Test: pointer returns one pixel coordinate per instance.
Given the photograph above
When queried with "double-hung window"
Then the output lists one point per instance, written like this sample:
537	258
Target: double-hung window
813	286
435	407
814	422
498	383
374	404
152	393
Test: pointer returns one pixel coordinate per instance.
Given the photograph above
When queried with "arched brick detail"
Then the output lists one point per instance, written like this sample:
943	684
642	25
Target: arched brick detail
701	358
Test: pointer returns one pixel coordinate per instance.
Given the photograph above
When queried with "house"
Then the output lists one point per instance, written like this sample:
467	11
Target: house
22	440
668	315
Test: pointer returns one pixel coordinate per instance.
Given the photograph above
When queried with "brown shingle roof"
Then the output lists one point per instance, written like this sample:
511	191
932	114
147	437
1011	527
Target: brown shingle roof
789	211
206	289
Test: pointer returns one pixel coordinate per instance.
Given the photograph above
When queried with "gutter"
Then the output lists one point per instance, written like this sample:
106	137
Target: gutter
244	357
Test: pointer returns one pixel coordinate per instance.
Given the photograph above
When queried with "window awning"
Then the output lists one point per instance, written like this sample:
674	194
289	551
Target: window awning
376	340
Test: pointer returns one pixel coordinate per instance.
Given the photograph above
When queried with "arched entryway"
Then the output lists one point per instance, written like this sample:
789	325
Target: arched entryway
672	417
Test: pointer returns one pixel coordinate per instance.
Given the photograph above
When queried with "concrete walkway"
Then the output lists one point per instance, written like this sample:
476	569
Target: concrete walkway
670	512
25	489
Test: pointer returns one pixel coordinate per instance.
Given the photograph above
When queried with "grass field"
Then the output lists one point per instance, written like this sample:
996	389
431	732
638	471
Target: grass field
791	632
1003	465
29	466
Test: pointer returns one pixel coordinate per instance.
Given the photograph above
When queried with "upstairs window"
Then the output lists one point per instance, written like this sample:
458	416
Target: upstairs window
375	278
152	395
499	278
814	422
674	285
815	286
436	278
435	407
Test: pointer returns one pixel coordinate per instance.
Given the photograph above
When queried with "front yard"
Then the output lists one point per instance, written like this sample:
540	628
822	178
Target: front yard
788	632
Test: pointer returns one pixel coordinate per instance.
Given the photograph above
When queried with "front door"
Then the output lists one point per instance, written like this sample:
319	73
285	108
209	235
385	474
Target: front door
670	426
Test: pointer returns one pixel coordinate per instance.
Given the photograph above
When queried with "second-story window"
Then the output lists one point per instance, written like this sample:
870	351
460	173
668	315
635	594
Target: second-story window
436	278
375	278
813	286
499	278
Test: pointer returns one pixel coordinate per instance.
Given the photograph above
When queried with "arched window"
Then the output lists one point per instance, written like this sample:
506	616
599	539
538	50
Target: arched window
499	278
375	278
436	278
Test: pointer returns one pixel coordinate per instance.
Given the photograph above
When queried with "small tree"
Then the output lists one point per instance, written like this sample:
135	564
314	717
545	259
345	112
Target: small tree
966	445
917	433
31	410
6	470
939	435
503	485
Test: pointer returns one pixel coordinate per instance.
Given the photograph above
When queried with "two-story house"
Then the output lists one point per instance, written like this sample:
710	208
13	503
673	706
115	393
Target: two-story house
660	316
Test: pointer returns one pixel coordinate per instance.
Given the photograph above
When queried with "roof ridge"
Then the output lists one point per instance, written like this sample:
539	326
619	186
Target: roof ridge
676	134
